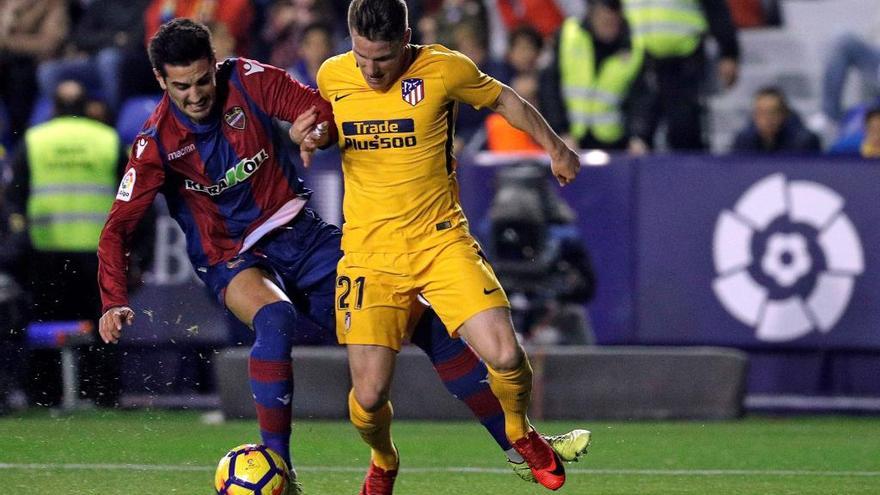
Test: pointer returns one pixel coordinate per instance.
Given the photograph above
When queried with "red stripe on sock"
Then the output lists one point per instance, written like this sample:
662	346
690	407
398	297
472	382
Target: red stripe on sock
274	420
269	371
484	404
458	366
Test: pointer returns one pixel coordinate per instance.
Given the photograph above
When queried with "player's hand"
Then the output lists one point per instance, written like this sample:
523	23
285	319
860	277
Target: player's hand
565	165
316	138
303	125
110	326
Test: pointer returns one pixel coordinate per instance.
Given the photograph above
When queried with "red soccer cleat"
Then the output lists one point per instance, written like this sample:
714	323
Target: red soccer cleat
543	461
378	481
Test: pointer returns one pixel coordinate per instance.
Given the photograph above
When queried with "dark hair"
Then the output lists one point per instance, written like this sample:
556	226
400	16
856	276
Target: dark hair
180	42
316	26
378	20
775	92
527	32
69	98
871	113
611	4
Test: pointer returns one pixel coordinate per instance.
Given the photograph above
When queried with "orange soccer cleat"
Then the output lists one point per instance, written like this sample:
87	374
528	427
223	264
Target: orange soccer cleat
542	460
378	481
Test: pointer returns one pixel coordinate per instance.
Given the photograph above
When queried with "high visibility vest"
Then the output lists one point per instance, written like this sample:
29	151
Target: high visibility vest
72	163
666	28
594	95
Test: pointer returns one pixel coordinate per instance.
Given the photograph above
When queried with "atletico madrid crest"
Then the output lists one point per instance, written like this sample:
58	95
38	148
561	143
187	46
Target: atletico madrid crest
413	91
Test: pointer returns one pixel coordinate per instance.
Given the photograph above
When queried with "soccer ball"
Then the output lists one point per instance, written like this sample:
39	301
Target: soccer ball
251	469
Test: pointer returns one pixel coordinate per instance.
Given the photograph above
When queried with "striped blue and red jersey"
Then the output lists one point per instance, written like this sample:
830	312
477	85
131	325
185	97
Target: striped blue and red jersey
227	181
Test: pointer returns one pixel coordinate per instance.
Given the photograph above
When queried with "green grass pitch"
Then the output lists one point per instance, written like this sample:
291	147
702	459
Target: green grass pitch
151	452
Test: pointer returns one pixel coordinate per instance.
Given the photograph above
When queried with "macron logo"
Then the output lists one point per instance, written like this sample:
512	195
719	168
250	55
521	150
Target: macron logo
251	67
174	155
141	146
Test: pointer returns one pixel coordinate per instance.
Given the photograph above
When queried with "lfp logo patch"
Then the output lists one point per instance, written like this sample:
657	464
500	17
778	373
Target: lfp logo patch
126	187
786	258
413	91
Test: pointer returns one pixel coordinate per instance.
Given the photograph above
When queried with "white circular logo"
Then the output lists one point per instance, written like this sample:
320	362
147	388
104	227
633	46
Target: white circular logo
786	257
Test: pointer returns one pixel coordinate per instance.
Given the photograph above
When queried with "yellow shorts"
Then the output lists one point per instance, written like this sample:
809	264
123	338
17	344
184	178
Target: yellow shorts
377	293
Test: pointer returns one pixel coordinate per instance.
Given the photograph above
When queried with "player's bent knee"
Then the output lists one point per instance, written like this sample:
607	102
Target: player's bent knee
505	358
371	399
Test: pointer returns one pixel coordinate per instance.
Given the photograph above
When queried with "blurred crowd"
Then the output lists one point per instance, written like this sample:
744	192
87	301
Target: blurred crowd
629	76
626	75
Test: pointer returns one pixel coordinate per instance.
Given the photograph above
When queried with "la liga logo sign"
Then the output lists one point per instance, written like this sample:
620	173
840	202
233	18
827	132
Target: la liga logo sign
786	258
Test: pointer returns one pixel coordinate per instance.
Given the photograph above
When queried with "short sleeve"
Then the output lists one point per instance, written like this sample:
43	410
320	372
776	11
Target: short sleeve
466	83
321	79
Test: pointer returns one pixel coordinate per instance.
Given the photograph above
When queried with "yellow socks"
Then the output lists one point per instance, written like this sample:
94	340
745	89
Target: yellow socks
375	429
513	390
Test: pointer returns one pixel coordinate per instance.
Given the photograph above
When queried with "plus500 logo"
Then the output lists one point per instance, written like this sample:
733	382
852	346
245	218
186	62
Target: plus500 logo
378	134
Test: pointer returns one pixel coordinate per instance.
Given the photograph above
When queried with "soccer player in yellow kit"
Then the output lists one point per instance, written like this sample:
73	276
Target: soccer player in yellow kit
405	234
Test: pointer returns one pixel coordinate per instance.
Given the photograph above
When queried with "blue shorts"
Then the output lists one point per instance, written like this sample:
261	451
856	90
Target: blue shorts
301	258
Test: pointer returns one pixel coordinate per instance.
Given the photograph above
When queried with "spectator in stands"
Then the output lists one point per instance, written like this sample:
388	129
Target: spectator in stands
285	24
315	46
755	13
775	127
672	33
236	15
540	258
591	88
224	43
871	141
502	137
104	44
64	180
545	16
524	47
848	52
470	121
30	31
441	26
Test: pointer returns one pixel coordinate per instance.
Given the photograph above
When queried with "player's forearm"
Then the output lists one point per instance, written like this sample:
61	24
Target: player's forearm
522	115
112	281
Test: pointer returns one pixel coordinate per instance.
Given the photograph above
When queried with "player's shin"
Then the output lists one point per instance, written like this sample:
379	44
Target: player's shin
375	429
271	374
513	388
464	375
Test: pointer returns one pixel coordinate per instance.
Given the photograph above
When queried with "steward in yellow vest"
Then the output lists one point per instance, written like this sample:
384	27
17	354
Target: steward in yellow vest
671	33
592	84
65	178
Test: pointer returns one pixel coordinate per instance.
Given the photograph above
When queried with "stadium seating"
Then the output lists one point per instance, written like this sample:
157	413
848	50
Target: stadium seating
132	115
41	111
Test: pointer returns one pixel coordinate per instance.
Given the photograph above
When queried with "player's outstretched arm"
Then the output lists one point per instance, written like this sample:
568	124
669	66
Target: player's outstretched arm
309	134
564	162
110	326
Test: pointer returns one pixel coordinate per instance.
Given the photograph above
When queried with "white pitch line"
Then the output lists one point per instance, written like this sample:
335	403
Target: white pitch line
351	469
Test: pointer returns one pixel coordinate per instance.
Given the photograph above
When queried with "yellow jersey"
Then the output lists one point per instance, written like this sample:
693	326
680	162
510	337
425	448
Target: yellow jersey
401	193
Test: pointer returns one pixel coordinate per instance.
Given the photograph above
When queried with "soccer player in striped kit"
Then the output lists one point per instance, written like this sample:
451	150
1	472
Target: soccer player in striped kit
209	148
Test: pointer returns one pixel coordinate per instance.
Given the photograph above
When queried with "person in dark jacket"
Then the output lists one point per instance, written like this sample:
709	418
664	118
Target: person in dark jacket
673	35
105	53
774	127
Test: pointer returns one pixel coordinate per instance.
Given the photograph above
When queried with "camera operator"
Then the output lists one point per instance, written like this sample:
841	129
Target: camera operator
540	258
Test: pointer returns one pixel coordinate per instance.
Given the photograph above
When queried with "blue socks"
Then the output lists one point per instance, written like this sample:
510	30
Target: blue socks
271	374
